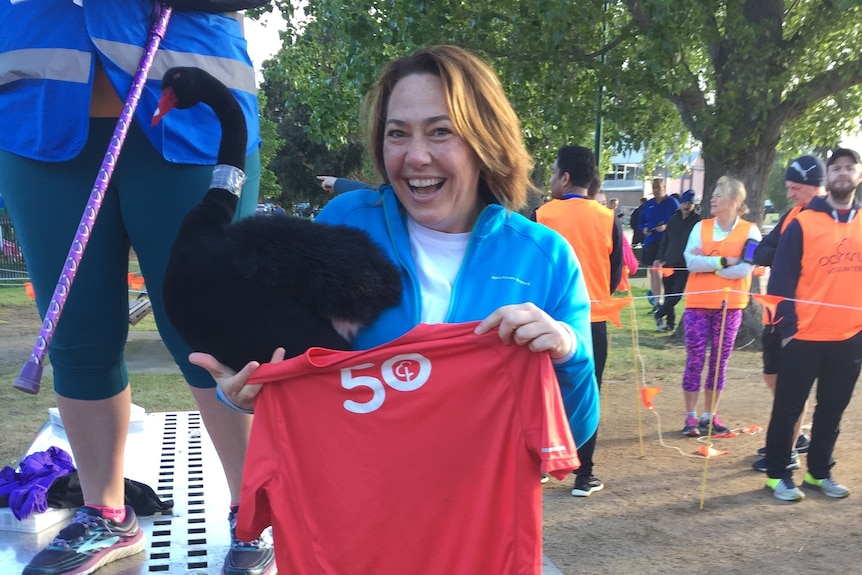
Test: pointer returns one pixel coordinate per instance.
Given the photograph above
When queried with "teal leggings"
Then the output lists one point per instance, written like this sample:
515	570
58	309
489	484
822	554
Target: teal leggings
144	206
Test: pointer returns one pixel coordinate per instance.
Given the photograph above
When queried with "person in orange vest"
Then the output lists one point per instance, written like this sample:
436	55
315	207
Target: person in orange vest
713	256
596	237
804	181
819	259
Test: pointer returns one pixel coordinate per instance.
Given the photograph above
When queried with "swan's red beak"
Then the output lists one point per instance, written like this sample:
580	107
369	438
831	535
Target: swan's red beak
166	104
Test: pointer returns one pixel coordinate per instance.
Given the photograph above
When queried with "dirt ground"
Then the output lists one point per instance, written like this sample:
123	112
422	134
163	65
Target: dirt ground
648	518
19	326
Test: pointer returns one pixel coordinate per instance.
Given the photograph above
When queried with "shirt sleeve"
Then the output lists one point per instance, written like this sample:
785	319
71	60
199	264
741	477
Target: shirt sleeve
544	418
698	263
665	240
344	185
576	376
765	251
616	255
784	279
742	269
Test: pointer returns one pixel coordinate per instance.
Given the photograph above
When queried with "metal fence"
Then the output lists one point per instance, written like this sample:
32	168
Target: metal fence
12	266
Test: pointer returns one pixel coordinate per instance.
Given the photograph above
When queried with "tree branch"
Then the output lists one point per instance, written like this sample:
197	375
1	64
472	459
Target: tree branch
843	76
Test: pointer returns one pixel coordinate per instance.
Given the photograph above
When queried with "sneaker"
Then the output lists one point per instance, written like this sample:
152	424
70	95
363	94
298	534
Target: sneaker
664	328
718	425
785	489
760	464
87	543
803	442
691	428
827	485
248	557
545	478
586	485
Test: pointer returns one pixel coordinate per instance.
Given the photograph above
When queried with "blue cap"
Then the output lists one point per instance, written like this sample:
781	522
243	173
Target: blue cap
687	196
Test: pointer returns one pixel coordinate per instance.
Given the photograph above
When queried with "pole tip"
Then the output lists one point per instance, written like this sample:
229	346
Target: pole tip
28	380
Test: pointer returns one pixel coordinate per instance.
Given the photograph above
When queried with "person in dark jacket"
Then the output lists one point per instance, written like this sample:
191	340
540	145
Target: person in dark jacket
670	254
804	180
817	261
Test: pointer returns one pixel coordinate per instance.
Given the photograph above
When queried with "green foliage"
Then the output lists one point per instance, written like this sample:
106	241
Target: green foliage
299	159
270	144
741	77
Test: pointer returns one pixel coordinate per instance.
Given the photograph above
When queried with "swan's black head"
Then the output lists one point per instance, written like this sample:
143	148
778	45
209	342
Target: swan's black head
186	87
183	88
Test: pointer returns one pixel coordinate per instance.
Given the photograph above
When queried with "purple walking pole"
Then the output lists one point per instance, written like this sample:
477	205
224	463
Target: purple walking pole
30	375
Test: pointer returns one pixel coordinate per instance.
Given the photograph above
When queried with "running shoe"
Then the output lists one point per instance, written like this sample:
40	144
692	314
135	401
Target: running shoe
785	489
827	485
87	543
255	557
585	485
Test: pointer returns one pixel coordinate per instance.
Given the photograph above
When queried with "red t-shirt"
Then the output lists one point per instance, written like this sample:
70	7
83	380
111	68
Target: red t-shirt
420	456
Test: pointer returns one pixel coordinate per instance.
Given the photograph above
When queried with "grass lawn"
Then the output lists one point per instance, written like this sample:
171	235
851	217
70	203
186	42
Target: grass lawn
23	415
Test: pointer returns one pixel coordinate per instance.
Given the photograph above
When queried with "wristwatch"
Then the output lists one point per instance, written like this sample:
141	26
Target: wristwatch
723	262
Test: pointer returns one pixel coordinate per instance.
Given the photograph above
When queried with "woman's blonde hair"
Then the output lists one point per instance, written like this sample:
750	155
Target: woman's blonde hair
480	113
735	189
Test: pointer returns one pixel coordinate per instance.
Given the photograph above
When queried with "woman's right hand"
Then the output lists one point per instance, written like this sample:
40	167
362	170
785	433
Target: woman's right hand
233	384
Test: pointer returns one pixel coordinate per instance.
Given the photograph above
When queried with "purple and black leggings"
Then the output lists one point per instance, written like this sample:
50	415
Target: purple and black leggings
702	327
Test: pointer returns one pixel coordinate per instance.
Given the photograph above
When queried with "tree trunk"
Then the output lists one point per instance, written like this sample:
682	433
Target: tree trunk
751	167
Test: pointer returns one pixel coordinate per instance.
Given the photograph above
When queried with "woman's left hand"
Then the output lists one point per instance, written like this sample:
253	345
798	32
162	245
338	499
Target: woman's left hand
526	324
234	385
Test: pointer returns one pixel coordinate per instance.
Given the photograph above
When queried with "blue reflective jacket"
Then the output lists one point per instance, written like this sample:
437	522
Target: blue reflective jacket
509	260
47	65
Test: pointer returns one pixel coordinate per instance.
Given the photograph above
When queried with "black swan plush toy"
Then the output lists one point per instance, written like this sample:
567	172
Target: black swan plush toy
239	290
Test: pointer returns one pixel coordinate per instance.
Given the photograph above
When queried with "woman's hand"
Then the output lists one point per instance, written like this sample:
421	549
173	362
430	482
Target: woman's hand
526	324
234	385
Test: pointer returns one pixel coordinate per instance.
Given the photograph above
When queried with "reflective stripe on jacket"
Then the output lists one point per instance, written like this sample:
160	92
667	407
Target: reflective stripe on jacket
47	65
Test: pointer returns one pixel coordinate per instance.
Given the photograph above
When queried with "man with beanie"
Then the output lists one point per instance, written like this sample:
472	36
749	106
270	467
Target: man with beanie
804	181
596	237
671	254
817	261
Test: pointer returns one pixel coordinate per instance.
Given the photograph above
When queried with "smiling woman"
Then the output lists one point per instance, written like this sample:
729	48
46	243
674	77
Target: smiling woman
448	144
446	141
433	171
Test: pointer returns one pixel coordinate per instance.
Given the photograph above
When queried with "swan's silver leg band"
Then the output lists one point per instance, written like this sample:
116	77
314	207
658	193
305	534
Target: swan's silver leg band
228	178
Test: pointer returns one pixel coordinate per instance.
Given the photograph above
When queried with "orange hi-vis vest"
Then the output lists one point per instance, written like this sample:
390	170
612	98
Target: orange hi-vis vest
731	246
768	313
831	273
588	227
